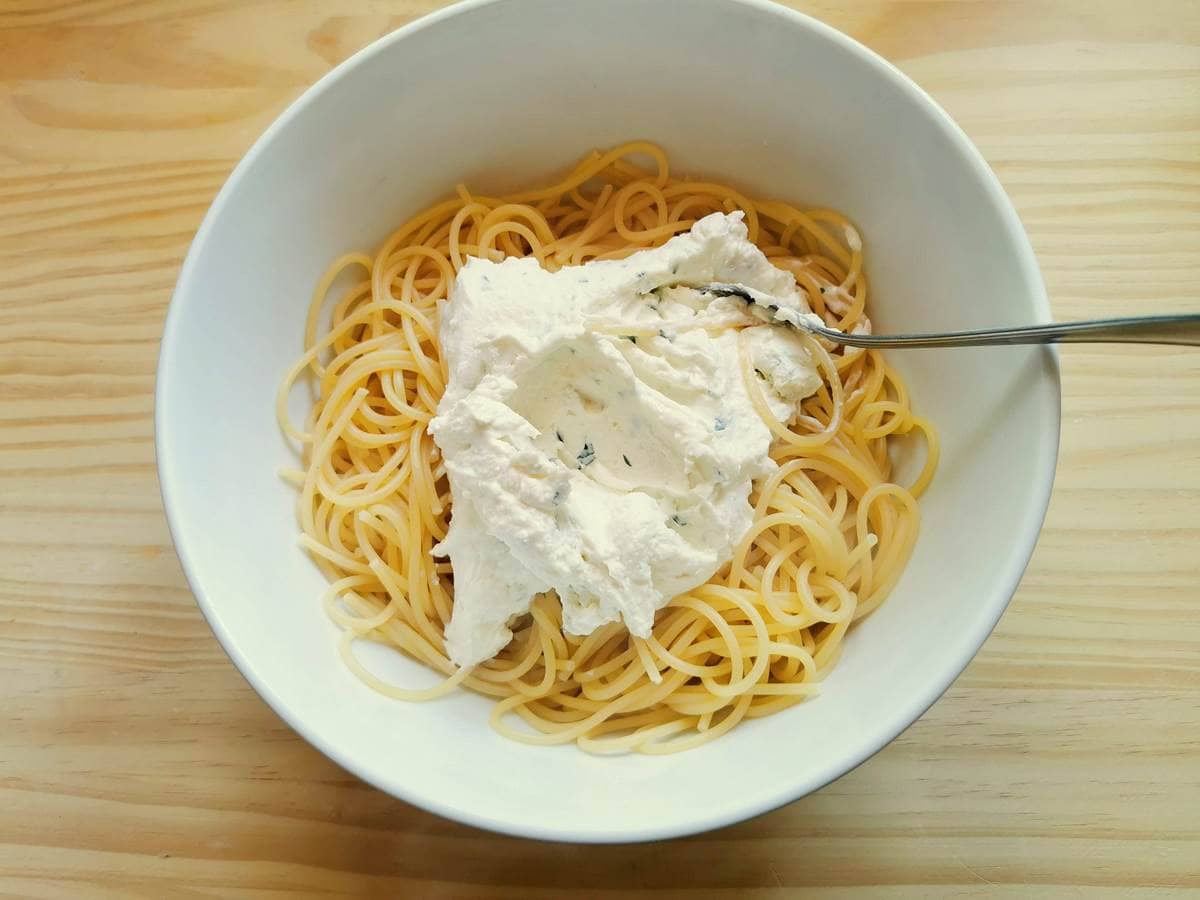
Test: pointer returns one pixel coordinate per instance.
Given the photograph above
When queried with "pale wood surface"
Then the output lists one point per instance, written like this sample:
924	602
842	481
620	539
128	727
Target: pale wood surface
135	761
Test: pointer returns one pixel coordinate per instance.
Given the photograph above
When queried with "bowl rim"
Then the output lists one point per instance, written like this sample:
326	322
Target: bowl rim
916	705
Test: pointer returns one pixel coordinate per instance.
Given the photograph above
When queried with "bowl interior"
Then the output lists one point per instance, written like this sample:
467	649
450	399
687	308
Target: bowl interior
504	94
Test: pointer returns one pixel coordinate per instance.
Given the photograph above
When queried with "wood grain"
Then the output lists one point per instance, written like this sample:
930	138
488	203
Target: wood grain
134	761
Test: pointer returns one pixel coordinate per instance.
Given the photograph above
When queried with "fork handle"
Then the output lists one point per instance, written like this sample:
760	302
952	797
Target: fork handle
1181	330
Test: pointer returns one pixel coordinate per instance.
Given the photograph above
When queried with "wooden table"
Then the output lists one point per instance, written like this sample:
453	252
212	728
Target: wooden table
134	760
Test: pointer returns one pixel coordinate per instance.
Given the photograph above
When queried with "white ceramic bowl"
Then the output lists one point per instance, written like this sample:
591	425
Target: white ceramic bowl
502	94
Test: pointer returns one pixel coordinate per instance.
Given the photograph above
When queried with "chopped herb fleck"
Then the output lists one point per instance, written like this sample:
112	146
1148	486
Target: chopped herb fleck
627	462
558	434
675	269
632	338
678	521
560	494
586	456
662	334
759	373
720	424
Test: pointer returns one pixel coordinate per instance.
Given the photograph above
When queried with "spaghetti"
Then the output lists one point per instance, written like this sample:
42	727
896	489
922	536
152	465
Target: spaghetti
831	533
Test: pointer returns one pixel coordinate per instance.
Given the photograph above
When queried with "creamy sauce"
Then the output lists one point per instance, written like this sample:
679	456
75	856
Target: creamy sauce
597	431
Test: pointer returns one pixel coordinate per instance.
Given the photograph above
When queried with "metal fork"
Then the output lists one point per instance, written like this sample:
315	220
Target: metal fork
1180	329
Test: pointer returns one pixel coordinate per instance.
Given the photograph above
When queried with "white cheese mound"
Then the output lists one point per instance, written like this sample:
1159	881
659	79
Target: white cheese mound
597	431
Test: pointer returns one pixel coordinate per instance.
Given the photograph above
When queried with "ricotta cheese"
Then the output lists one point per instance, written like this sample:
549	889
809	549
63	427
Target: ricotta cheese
597	431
